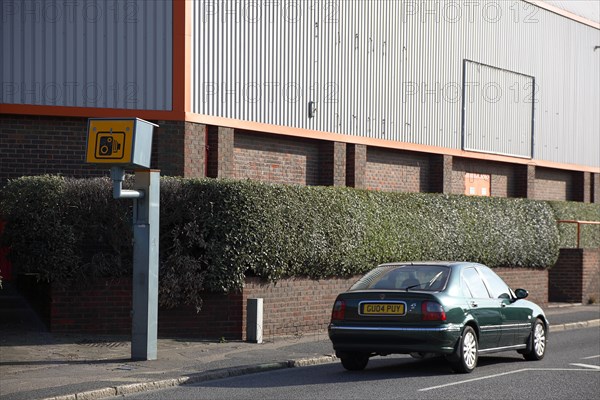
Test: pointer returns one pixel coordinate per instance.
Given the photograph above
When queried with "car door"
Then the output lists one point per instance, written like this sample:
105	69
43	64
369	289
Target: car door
513	316
484	309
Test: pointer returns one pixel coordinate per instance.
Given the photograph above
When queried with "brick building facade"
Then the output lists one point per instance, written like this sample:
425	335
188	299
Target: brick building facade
56	145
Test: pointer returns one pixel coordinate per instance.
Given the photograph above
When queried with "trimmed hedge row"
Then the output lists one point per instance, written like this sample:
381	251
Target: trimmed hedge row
216	232
570	210
66	230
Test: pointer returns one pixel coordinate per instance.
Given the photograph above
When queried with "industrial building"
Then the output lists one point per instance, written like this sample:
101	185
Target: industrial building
497	98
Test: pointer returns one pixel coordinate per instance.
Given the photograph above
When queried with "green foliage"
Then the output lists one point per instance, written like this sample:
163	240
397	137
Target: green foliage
570	210
214	233
66	230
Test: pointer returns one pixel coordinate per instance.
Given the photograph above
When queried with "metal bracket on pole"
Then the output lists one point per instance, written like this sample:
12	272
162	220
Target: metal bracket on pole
117	174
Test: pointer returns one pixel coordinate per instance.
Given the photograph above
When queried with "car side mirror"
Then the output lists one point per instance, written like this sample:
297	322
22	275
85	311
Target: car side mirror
521	293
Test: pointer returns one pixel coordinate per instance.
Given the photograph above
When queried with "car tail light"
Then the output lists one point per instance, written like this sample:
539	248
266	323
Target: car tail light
339	309
433	311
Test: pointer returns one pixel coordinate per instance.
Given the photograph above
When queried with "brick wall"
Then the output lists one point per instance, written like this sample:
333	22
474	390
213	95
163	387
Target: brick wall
394	170
553	184
440	173
36	145
295	306
595	188
356	164
505	180
102	308
271	158
105	308
534	280
179	149
332	163
576	276
31	145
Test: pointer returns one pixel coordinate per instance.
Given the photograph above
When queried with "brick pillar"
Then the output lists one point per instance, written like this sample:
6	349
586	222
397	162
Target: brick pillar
531	194
332	164
524	181
179	149
595	188
587	187
440	167
574	277
356	165
575	189
220	152
565	277
167	148
194	150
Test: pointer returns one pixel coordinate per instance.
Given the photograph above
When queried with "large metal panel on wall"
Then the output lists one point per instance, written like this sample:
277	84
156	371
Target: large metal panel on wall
497	110
394	70
87	53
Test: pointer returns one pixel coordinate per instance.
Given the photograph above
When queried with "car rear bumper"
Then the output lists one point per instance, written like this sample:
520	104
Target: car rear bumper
388	340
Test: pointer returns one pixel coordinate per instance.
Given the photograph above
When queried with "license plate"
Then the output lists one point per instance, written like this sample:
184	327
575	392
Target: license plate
382	308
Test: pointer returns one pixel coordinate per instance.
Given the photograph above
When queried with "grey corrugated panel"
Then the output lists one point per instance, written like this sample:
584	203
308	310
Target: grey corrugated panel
91	53
345	58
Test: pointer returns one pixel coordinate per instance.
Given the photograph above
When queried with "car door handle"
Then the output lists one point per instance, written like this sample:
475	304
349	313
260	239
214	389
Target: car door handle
473	304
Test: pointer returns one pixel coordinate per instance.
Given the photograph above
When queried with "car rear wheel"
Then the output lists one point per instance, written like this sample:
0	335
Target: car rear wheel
354	361
536	349
465	359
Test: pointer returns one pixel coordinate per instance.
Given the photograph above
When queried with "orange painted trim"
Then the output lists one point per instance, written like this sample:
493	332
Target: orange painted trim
182	14
564	13
89	112
338	137
187	88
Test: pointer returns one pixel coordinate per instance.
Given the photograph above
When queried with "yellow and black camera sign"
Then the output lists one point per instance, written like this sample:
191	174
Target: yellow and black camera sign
126	142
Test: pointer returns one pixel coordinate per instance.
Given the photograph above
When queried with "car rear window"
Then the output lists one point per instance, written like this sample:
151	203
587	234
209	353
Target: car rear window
415	277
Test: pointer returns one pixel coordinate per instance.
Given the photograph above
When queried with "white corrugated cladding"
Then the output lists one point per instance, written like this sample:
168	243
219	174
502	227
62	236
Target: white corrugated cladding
92	53
394	70
589	9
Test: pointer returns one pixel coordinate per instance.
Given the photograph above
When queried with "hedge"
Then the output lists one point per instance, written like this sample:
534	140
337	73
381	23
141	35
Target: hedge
570	210
214	233
66	230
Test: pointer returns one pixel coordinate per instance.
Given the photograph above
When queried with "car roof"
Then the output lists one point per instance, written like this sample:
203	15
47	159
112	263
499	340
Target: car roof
440	263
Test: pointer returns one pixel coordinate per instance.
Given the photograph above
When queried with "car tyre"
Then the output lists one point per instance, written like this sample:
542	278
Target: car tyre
536	347
354	361
465	358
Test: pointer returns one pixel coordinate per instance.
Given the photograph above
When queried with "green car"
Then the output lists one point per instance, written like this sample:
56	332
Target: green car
455	309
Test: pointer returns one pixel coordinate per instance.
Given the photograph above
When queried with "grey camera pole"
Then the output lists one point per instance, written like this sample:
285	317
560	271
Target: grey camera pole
146	214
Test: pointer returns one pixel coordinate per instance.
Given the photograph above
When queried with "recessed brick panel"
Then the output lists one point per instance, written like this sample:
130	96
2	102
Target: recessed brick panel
271	158
394	170
554	184
506	179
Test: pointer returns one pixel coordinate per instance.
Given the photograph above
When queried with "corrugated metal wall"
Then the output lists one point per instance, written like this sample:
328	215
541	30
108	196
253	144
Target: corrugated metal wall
394	70
92	53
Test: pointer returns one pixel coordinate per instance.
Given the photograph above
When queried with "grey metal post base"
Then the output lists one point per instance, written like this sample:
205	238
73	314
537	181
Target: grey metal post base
146	215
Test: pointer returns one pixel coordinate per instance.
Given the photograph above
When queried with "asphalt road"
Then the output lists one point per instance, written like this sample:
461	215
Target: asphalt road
570	370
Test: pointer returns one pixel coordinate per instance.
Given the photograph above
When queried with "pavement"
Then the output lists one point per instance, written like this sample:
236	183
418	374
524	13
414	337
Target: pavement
36	364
